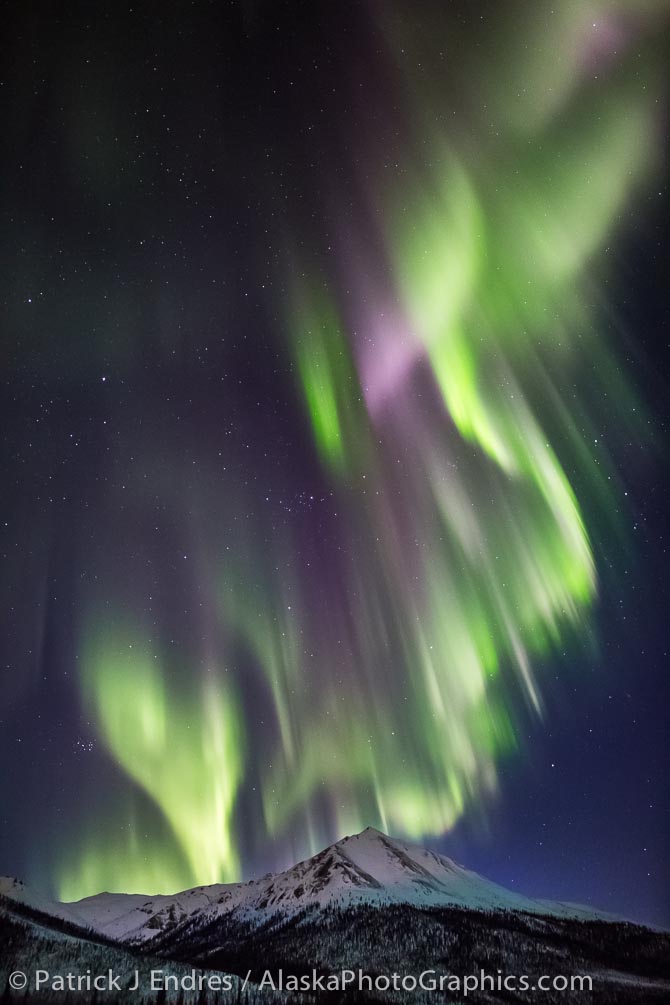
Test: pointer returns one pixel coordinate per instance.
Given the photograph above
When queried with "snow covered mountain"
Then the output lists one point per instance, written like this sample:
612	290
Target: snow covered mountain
367	868
360	903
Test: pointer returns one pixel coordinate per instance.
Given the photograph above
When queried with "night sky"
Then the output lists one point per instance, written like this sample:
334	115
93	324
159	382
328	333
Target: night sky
334	372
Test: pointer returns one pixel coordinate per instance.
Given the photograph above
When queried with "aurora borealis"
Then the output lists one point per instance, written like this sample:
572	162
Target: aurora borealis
327	401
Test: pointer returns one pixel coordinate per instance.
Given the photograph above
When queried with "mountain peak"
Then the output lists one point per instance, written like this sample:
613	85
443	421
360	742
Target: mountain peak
367	834
368	868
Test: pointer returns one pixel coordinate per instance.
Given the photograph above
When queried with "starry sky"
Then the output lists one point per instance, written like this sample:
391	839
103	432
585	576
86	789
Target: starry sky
333	405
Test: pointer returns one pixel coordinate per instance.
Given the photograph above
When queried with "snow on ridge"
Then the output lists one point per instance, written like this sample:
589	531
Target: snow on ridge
368	867
16	890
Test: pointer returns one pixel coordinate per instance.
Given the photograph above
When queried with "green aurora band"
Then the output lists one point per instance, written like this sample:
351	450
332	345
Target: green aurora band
464	548
184	749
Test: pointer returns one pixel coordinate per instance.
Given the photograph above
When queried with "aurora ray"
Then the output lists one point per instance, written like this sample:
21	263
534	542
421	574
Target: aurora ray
468	554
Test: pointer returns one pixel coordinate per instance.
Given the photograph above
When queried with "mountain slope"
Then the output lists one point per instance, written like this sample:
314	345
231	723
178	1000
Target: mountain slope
32	940
375	868
367	902
366	868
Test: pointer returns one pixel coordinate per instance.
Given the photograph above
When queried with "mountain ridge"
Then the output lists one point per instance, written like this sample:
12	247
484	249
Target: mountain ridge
367	868
356	905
